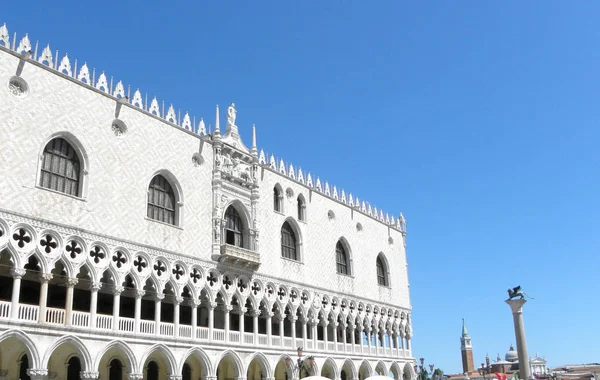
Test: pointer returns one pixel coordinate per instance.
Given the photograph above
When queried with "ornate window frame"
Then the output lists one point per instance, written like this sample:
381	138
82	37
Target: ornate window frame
177	192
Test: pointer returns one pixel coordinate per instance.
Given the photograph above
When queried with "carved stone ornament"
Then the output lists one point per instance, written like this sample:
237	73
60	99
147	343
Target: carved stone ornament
231	115
18	87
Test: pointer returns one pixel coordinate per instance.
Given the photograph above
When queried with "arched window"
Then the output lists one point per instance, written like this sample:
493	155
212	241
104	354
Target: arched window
161	200
152	371
301	209
277	199
341	259
288	242
233	228
73	368
60	167
382	277
115	371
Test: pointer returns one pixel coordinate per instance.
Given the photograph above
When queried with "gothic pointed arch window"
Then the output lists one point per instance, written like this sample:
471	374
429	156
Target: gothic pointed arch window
61	168
278	198
234	227
301	208
382	271
162	202
341	258
288	242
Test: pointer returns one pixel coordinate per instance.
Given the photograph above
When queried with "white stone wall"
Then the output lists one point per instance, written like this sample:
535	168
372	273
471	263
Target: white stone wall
120	169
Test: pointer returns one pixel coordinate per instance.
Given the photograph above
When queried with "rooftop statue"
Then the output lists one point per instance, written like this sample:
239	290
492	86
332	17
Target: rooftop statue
515	292
231	115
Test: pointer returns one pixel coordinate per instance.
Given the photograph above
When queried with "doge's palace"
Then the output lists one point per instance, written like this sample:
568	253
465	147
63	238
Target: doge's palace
137	244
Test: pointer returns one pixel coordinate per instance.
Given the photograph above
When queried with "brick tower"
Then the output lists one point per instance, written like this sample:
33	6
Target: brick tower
466	350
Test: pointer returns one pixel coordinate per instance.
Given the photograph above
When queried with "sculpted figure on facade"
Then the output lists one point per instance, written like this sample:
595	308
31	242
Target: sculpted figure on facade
231	115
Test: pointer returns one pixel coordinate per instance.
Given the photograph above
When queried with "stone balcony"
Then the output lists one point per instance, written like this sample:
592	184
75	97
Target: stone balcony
28	316
238	256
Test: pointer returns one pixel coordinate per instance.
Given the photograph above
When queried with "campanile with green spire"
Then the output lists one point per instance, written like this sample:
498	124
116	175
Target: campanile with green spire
466	350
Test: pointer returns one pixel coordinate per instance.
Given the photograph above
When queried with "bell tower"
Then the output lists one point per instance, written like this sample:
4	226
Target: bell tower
466	349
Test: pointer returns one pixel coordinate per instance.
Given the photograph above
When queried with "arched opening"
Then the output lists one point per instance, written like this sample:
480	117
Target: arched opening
364	371
162	201
148	308
23	367
115	370
257	370
395	371
289	242
278	198
380	369
283	369
328	370
382	271
347	371
60	168
301	208
152	371
73	368
342	259
234	228
195	366
227	369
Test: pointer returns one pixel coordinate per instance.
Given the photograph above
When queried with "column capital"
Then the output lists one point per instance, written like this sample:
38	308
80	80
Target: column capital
516	305
117	290
135	376
89	375
324	322
174	377
159	297
46	277
256	313
17	273
139	293
194	303
269	314
293	318
242	310
178	300
212	305
71	282
227	308
38	374
209	378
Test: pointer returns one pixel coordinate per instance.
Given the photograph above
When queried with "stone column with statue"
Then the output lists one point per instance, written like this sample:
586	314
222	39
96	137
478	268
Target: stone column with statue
516	300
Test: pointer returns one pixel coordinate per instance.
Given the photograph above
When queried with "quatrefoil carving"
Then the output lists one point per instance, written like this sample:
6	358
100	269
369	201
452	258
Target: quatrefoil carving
178	271
241	285
119	259
195	275
97	254
73	248
48	242
211	279
140	263
22	237
159	268
255	288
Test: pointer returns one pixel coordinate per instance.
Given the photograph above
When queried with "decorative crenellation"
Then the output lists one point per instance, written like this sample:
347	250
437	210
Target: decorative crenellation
100	82
330	191
153	107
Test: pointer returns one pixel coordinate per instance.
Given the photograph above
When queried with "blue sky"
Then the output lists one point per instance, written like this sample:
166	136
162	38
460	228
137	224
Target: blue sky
478	120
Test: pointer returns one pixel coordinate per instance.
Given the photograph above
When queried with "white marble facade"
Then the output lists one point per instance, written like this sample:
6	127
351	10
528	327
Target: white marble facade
93	282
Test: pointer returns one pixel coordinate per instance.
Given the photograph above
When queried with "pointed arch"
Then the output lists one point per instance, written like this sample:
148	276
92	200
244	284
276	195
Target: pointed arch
383	270
291	240
365	370
301	205
396	371
122	347
329	364
79	346
263	361
67	265
164	350
343	257
41	259
67	149
278	198
203	358
238	364
409	372
350	365
236	229
164	199
381	368
32	352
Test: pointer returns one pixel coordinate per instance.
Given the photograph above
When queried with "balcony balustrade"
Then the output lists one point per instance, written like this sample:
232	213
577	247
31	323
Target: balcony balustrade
29	314
238	256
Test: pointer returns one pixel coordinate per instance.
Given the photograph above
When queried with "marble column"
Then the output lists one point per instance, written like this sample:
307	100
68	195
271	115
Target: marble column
280	319
71	282
117	290
304	331
293	320
157	309
178	301
137	313
211	319
44	279
269	315
242	312
516	307
38	374
194	303
227	312
353	335
255	314
335	335
94	288
17	274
